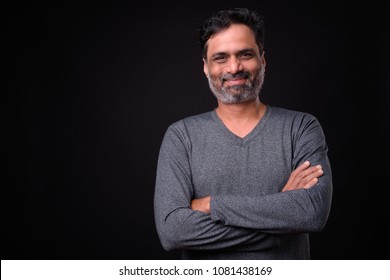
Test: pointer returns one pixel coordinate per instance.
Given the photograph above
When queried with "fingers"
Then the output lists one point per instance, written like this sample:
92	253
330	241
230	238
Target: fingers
299	169
311	183
292	180
201	204
312	178
298	175
304	176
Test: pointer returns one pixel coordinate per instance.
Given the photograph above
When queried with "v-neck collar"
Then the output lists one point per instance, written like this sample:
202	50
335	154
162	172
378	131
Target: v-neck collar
247	138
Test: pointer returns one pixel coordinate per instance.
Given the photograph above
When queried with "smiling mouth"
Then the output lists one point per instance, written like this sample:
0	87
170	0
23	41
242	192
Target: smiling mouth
235	81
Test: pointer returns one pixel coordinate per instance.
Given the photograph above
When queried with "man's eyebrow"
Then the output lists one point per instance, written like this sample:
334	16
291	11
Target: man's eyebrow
246	50
218	54
239	52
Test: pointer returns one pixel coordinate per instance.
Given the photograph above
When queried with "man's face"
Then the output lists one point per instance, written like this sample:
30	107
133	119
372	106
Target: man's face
234	67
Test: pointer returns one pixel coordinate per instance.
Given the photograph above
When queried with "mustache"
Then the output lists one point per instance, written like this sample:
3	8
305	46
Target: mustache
228	77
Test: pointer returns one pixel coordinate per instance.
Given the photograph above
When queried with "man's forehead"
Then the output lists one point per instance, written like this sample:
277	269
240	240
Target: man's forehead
236	37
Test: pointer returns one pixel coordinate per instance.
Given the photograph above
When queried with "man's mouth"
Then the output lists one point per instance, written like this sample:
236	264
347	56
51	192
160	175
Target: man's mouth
235	81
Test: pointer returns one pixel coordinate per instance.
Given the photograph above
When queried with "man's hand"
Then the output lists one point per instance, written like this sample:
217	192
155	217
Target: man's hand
305	176
201	204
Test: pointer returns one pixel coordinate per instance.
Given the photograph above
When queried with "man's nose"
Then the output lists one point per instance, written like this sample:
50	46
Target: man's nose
234	65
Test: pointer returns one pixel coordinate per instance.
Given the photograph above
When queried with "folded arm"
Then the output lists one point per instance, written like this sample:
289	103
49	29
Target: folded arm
299	207
304	177
180	227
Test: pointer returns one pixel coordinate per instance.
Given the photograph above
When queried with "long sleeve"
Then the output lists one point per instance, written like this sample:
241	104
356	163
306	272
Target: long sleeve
180	227
304	210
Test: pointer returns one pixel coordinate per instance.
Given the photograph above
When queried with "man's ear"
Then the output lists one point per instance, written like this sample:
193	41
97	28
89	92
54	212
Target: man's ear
205	68
263	59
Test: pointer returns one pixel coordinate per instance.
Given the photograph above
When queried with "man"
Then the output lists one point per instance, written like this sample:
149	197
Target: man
246	180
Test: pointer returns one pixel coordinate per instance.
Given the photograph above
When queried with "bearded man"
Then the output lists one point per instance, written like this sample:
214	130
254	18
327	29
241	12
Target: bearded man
246	180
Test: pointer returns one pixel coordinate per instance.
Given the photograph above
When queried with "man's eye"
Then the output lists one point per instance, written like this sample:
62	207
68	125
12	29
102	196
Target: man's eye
246	55
220	59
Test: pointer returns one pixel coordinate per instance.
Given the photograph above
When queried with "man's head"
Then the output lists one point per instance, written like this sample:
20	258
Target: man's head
223	19
232	43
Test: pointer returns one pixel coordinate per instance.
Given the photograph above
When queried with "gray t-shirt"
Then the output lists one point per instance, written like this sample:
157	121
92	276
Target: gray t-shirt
250	217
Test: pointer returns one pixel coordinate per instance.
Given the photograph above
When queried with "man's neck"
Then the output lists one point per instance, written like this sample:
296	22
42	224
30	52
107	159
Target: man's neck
241	118
242	112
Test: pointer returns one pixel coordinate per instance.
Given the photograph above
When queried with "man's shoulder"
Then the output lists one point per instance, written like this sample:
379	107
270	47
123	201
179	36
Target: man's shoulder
202	117
290	114
191	127
293	120
193	121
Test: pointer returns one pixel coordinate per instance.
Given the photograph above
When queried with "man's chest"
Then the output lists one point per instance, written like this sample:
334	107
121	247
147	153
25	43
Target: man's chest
255	169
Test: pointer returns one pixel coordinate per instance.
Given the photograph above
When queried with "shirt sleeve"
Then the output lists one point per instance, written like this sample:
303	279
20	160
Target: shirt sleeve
296	211
180	227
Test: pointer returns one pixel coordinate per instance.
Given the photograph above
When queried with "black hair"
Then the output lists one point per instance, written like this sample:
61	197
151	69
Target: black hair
224	18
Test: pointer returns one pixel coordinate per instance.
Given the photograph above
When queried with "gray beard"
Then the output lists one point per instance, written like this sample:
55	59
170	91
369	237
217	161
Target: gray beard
239	93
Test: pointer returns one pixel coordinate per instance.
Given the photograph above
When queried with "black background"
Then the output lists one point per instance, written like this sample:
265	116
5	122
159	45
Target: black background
91	88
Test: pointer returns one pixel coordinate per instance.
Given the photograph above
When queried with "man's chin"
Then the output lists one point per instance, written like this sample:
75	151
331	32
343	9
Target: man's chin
237	98
236	89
